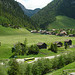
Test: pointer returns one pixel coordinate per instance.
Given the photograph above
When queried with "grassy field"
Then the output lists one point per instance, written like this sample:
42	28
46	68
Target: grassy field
60	71
63	22
8	37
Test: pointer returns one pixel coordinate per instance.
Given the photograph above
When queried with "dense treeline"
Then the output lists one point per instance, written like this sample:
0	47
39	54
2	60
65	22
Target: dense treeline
12	15
40	67
56	7
67	8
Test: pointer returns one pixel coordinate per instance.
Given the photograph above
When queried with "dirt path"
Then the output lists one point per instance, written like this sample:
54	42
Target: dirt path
49	57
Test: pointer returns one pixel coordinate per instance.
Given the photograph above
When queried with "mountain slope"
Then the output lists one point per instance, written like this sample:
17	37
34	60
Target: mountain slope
62	22
12	15
57	7
10	31
27	11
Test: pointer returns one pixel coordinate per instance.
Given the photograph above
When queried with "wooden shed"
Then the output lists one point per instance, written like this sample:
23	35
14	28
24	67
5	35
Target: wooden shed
34	31
71	35
59	44
42	45
69	42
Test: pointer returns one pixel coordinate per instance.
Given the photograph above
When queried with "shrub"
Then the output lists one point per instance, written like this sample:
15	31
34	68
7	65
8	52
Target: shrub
47	66
61	62
33	49
53	47
17	49
35	69
28	70
14	67
41	67
66	45
55	63
3	70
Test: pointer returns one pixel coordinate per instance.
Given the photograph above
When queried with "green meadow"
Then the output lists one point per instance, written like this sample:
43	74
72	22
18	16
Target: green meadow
9	36
60	71
62	22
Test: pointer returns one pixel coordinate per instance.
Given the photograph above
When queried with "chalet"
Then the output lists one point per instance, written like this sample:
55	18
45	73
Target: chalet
53	33
42	45
69	42
59	44
71	35
49	33
34	31
53	29
43	32
62	33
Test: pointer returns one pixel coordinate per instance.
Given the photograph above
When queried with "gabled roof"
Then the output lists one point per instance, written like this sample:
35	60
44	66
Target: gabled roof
40	43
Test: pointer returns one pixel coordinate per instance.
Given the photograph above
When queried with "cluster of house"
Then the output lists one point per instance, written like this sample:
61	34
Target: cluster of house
60	32
59	44
41	32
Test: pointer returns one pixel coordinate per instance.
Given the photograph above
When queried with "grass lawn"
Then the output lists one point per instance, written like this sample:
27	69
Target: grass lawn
8	37
60	71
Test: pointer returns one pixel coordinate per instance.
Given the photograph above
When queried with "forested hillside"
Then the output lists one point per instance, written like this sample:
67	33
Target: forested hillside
57	7
12	15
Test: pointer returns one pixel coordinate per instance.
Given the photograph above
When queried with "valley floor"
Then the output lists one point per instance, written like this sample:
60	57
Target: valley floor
7	42
12	36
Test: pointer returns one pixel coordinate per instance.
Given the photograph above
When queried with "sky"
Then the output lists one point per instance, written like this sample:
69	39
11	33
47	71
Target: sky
33	4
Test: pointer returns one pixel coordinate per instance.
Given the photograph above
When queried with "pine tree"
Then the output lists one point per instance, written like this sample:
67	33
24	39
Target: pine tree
14	68
66	45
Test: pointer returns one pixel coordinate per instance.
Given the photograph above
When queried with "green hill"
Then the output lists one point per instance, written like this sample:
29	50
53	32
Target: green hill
62	22
57	7
69	67
10	31
12	15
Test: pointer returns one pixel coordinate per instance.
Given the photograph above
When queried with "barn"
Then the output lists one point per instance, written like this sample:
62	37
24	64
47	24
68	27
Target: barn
69	42
34	31
71	35
59	44
42	45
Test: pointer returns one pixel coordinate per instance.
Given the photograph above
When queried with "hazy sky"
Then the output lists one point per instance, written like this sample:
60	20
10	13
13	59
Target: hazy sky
32	4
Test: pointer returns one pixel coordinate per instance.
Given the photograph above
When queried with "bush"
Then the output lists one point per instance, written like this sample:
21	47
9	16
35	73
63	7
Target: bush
35	69
33	49
47	66
3	70
53	47
55	63
66	45
28	70
41	67
17	49
14	67
61	62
